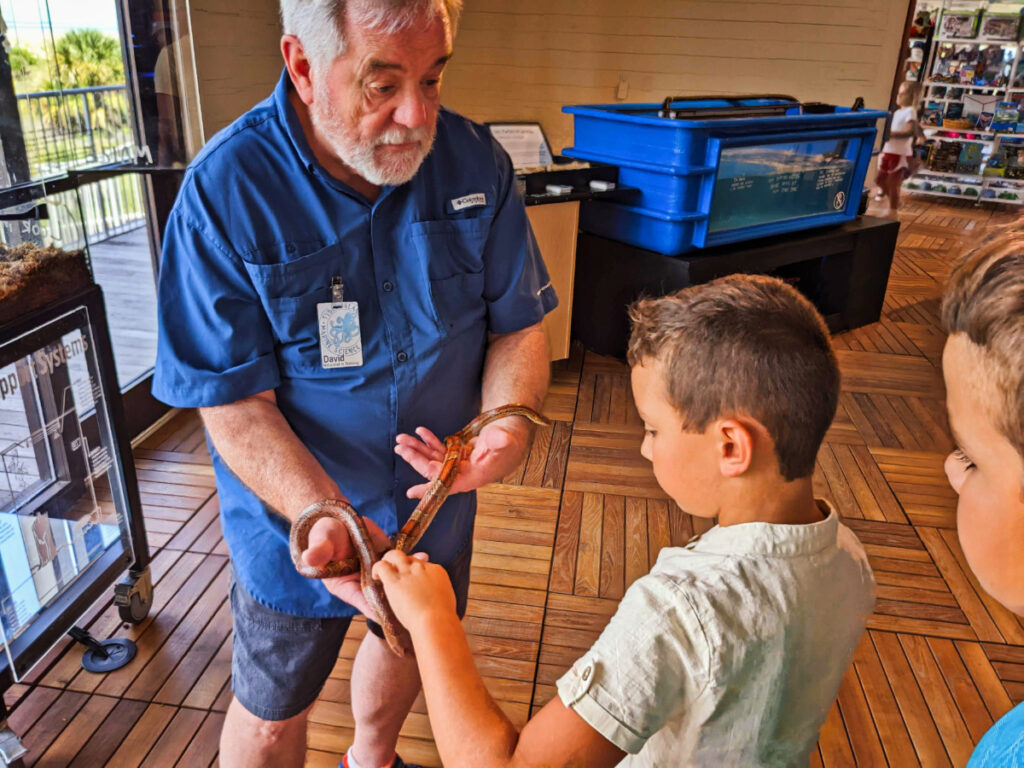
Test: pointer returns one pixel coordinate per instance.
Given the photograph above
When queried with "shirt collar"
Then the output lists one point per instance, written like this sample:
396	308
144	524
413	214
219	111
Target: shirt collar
290	122
771	539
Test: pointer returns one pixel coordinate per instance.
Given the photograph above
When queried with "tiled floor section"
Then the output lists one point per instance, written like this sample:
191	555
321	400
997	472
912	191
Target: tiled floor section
559	542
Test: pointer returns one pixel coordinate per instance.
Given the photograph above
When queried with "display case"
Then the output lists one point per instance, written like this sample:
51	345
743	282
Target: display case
70	516
71	524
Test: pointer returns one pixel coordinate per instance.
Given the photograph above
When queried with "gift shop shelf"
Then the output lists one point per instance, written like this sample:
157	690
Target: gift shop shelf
984	101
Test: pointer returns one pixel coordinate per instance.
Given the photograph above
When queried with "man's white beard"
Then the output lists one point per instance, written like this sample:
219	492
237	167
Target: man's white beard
378	168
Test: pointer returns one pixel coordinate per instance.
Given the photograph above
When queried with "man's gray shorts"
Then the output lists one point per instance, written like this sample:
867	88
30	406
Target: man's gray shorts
280	663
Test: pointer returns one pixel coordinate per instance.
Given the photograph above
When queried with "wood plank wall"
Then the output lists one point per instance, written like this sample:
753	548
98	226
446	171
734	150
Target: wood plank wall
525	60
238	61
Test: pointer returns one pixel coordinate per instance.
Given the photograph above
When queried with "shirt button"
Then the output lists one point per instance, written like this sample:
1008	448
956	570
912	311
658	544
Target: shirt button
388	285
402	357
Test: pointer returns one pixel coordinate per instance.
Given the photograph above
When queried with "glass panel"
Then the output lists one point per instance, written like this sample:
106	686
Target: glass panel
67	102
777	182
122	264
66	70
168	92
62	503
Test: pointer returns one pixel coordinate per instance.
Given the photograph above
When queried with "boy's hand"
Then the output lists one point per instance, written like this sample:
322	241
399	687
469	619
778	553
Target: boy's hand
417	590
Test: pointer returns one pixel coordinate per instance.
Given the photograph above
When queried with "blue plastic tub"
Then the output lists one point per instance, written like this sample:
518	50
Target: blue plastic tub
722	178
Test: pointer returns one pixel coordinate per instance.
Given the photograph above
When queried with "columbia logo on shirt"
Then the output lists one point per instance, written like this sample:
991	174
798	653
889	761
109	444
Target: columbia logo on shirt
469	201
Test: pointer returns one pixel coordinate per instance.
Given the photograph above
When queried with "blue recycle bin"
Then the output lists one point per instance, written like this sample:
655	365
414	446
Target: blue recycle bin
721	170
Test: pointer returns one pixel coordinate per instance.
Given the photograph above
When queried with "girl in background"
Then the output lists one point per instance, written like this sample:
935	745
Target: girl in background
894	163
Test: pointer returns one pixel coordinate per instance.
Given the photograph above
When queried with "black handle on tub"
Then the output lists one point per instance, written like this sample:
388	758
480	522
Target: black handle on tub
670	100
734	106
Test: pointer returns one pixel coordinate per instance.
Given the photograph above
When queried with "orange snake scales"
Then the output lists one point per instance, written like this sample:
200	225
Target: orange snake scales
456	448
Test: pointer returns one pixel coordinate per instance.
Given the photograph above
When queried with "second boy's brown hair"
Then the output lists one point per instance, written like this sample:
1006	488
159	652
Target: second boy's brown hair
985	300
744	344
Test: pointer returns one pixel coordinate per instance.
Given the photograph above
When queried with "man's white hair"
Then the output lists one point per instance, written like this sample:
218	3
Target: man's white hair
320	24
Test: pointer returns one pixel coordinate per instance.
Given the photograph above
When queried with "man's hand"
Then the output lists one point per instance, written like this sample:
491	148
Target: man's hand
498	450
418	591
329	540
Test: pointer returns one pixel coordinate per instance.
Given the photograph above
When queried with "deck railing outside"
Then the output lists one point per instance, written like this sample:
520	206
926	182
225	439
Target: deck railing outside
79	128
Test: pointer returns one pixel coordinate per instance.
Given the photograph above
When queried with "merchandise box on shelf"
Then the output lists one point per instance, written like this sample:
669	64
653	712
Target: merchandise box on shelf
959	24
1000	26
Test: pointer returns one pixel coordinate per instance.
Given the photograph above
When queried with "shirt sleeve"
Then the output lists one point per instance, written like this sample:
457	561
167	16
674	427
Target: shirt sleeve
1003	745
214	343
902	118
516	284
651	661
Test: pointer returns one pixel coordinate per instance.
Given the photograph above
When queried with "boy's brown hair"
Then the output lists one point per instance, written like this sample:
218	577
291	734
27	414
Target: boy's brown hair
985	300
744	344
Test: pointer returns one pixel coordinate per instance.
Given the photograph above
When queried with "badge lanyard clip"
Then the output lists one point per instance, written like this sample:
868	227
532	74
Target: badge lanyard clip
341	344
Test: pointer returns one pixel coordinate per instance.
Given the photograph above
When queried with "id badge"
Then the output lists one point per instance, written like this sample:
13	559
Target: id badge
341	345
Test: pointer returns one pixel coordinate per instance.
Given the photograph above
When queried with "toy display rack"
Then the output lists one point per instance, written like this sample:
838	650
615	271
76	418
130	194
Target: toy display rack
972	185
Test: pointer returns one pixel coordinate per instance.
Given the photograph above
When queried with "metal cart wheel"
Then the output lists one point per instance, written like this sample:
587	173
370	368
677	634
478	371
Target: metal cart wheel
134	596
135	612
11	748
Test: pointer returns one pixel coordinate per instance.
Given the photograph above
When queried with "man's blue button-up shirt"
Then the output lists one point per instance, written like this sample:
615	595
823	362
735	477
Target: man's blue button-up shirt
257	234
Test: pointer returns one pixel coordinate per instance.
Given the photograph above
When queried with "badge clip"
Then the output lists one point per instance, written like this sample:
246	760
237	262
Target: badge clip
341	343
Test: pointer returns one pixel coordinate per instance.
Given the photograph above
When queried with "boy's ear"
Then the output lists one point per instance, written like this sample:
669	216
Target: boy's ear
735	444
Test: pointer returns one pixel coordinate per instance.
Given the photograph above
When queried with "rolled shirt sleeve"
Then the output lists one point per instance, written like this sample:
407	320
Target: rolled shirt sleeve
651	660
517	288
214	344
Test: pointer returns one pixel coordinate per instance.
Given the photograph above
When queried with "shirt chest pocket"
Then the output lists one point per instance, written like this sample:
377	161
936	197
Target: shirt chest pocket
289	292
451	255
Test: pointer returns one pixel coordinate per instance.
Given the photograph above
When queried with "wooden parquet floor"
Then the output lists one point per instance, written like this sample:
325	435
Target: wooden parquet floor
561	539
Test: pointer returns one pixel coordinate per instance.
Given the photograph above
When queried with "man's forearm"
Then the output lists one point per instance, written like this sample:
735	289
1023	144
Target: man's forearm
260	447
469	727
516	369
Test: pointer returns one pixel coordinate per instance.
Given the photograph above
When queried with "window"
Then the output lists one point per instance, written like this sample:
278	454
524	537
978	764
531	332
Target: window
98	109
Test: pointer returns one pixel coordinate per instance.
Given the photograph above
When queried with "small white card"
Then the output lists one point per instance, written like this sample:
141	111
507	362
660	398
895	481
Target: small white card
341	345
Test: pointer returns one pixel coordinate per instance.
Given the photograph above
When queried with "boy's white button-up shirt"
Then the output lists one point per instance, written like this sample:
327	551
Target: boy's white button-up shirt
731	651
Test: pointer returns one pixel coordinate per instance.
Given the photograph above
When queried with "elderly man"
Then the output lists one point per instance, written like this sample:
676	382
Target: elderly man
347	264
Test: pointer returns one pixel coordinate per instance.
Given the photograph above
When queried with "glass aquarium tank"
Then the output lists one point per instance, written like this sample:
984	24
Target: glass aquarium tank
776	182
70	516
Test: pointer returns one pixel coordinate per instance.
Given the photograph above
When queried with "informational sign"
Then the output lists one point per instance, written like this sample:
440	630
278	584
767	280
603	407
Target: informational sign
59	505
525	143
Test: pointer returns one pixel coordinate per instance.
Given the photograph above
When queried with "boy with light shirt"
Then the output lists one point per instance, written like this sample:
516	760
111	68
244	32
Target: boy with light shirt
731	651
983	365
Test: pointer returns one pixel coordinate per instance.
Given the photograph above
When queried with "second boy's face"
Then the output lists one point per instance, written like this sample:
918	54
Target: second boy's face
987	473
684	462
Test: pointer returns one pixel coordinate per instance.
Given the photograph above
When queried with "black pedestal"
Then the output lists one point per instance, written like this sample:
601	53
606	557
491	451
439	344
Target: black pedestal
844	270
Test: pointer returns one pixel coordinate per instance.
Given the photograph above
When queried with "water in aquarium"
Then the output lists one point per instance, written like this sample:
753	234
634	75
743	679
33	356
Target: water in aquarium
778	182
